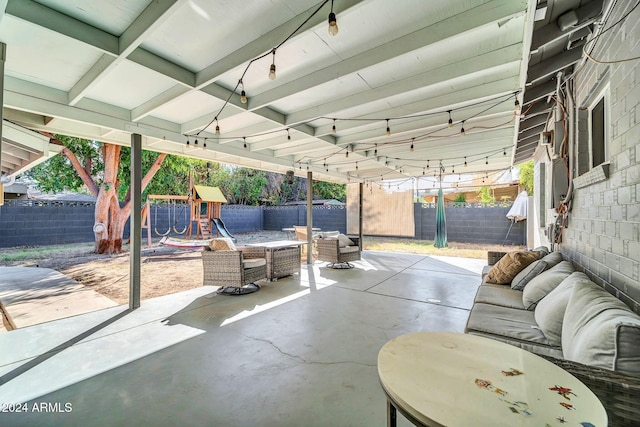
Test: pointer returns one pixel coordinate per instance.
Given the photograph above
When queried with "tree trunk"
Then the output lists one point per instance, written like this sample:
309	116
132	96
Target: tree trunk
110	218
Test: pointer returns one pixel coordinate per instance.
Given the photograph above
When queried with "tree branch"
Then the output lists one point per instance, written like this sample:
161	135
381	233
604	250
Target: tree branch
146	180
84	176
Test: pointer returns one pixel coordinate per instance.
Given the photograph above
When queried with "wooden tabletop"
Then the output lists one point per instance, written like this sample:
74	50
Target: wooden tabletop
451	379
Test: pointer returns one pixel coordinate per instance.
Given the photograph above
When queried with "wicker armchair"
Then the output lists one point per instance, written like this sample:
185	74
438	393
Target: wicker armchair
329	250
234	267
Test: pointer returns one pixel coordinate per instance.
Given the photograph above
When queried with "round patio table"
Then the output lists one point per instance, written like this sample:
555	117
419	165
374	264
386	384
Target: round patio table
451	379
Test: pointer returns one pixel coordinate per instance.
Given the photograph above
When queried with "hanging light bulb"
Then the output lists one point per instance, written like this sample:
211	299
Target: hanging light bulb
243	94
375	152
195	143
423	171
427	164
411	149
272	69
517	108
333	24
452	169
450	119
204	144
465	161
217	127
486	162
245	143
188	142
462	128
356	165
333	129
504	152
347	153
288	135
388	128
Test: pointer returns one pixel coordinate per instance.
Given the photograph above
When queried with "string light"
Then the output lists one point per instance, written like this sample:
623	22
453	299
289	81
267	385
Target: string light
465	161
243	94
375	152
388	128
450	119
462	128
517	108
333	23
272	69
245	143
333	129
504	152
195	143
427	164
356	165
412	140
486	161
423	171
204	144
217	127
288	135
188	143
347	153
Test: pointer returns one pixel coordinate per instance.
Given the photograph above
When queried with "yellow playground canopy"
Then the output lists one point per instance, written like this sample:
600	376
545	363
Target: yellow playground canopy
209	194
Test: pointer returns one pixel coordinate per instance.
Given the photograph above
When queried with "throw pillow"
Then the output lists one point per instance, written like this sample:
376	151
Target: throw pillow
549	312
222	244
344	241
545	282
330	234
600	330
552	259
509	265
532	270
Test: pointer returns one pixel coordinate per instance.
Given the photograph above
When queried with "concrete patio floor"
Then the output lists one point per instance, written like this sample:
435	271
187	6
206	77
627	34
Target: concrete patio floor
301	352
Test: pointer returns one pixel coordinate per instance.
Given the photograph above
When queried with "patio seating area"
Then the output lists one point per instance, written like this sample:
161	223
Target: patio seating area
302	351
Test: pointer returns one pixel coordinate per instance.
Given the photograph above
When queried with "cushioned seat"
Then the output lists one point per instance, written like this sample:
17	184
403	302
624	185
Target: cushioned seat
227	266
499	295
338	250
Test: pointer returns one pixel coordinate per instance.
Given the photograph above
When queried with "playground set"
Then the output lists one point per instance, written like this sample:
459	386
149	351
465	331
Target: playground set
201	207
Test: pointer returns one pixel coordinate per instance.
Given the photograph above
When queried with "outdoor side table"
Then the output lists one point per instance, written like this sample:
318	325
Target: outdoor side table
450	379
283	257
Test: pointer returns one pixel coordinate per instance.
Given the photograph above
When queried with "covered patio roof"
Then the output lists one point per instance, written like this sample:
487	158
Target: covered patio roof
170	71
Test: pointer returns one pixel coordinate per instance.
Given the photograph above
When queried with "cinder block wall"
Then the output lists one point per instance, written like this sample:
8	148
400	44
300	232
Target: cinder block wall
603	233
472	225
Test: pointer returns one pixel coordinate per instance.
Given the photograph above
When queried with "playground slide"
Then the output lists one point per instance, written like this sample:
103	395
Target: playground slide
223	230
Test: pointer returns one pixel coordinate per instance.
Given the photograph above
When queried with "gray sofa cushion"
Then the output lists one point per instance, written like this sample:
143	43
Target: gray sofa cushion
528	346
532	270
549	312
549	260
544	283
499	295
600	330
510	323
552	259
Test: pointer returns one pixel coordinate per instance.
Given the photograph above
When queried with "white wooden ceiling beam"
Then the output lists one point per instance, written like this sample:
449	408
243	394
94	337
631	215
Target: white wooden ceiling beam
455	100
154	15
495	61
35	13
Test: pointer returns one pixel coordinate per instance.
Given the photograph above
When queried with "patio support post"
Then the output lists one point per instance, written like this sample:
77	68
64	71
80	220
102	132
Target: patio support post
3	56
135	229
361	188
309	217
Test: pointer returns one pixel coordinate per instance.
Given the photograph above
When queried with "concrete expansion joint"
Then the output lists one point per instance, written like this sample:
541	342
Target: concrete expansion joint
302	359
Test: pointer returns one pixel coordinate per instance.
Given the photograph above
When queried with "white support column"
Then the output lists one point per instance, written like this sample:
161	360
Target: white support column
3	55
309	218
360	193
136	221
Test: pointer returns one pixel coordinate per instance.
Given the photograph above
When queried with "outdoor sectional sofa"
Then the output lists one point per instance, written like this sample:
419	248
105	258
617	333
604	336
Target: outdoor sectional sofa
560	314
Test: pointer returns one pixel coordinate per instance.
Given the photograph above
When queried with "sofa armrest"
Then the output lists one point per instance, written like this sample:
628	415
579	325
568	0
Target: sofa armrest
494	256
249	252
619	393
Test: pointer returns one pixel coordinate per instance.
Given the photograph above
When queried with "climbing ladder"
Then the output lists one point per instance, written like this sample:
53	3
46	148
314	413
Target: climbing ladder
204	228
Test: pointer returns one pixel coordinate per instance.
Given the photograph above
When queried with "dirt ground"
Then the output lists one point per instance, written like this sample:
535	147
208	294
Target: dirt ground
166	270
